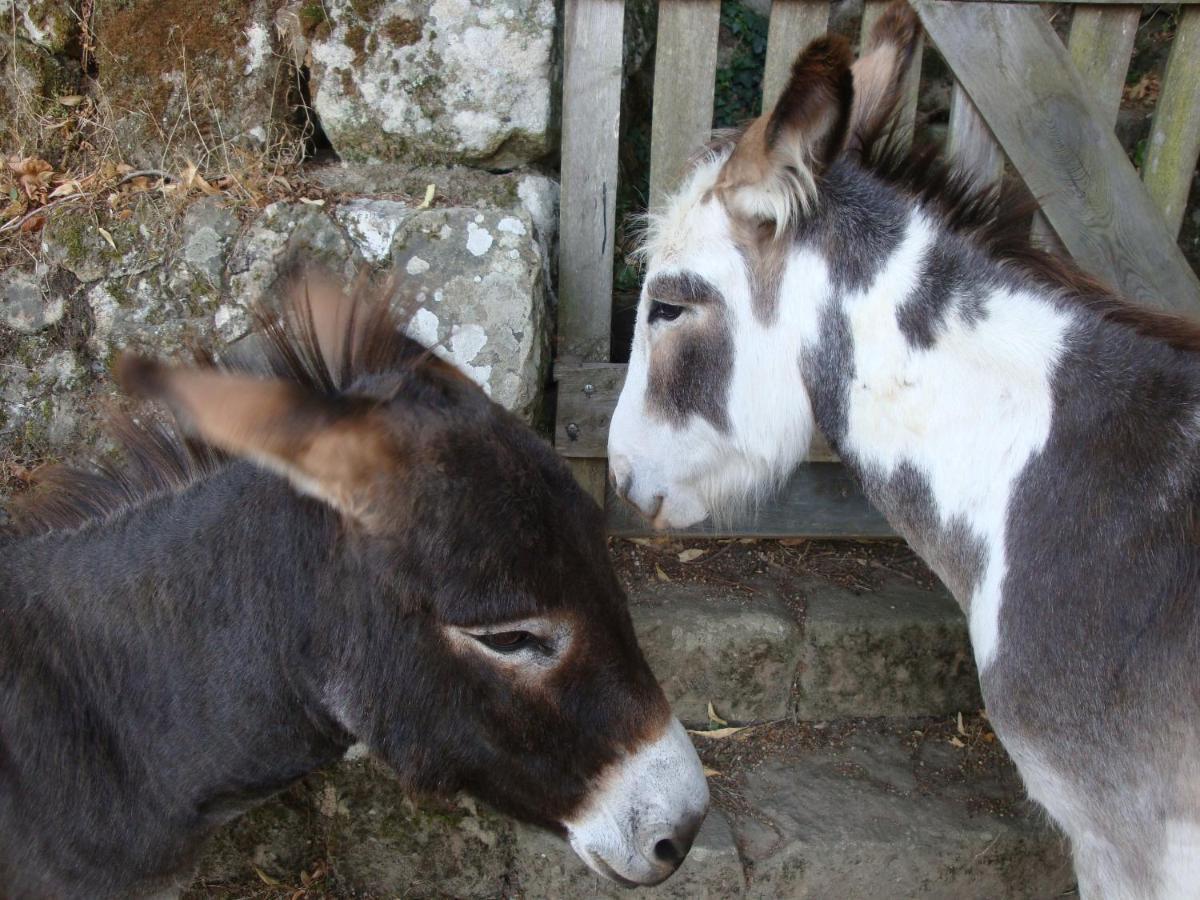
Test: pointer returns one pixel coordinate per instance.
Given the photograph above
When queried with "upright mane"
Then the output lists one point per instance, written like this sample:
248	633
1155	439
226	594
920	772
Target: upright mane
997	219
155	456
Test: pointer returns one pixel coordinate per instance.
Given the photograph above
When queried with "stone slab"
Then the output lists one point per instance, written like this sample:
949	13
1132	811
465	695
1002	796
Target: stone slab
898	651
708	644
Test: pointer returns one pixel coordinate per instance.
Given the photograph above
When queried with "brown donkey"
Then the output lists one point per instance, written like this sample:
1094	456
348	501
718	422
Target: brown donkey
352	544
1035	439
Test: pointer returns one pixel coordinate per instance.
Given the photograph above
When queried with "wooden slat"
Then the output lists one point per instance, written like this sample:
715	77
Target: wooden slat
794	24
1101	45
590	123
685	71
1019	76
587	396
1175	133
906	111
969	141
592	37
821	500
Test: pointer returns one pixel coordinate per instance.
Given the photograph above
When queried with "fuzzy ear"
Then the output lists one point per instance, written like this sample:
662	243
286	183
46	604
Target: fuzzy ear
879	72
331	448
771	174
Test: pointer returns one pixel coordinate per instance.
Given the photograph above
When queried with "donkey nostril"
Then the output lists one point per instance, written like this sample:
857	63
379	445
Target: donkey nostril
667	851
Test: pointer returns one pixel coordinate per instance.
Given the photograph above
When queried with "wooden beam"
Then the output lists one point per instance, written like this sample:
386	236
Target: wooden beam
794	25
587	396
821	500
685	74
1175	132
593	32
906	110
1019	76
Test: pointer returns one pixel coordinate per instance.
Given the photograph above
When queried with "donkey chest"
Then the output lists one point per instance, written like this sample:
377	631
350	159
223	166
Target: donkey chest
942	433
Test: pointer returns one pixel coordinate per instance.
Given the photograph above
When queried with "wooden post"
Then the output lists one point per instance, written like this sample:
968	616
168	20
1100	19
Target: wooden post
794	25
1175	133
593	33
969	141
685	71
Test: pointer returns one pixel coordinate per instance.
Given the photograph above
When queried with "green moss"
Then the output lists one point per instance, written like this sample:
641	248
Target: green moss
356	40
313	15
402	32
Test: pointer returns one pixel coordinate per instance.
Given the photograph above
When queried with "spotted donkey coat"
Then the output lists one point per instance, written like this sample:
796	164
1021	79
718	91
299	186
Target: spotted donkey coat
384	556
1034	438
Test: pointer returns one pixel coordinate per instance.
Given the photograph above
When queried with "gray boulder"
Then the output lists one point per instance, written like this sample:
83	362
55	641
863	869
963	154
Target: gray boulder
465	81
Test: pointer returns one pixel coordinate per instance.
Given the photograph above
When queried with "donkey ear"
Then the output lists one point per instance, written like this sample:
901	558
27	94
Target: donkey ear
879	72
329	448
773	169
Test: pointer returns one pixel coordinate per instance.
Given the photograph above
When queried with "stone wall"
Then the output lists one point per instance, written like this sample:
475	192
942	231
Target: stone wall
395	97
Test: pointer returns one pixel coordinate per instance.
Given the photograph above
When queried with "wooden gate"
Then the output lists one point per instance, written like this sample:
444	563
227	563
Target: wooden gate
1019	93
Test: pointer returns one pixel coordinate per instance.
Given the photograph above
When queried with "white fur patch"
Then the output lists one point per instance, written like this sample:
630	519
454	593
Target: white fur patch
925	407
644	798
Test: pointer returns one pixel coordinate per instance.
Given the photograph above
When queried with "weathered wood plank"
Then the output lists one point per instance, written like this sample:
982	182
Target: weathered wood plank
685	71
1101	45
969	141
821	500
794	24
587	396
1018	74
590	122
906	111
1175	132
592	38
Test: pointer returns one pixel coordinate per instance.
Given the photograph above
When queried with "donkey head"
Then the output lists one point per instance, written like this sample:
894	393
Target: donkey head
468	626
715	406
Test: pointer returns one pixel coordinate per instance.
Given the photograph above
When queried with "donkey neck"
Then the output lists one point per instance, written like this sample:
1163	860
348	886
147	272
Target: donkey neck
167	650
930	370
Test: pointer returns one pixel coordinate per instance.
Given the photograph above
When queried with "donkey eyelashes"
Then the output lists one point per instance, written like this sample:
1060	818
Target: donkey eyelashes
666	312
509	641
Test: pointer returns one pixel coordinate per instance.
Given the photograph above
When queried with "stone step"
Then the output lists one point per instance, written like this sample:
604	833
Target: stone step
806	648
849	809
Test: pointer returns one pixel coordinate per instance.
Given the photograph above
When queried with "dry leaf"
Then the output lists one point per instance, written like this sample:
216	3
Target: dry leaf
709	773
718	733
266	879
67	187
104	233
955	742
33	223
689	555
429	192
660	574
961	729
33	174
69	100
713	717
312	201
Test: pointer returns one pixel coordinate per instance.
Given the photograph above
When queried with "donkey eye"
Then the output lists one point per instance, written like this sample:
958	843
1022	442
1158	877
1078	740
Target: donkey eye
666	311
506	641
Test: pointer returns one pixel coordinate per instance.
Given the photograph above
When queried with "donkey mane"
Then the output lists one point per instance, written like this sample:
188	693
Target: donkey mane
997	219
155	454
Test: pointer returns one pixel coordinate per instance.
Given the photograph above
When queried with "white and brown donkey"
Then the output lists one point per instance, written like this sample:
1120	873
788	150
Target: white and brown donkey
1034	438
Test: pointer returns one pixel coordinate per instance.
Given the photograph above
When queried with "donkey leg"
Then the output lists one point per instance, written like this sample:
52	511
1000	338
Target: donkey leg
1179	869
1105	872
